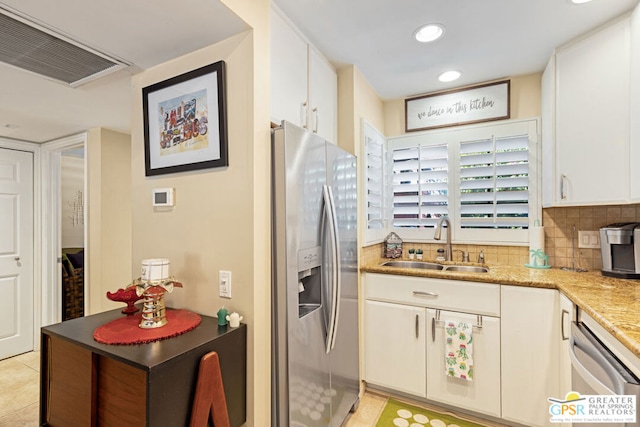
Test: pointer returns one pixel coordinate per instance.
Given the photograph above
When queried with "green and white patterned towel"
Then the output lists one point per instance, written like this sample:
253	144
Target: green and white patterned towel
458	349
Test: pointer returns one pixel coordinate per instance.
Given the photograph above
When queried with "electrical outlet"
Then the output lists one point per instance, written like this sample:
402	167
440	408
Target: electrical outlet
588	239
224	284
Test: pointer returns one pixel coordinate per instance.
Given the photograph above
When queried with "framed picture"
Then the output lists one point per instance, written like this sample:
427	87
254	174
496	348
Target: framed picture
481	103
185	122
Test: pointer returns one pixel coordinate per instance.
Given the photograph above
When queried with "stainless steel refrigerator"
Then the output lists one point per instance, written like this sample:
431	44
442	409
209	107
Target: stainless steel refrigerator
315	377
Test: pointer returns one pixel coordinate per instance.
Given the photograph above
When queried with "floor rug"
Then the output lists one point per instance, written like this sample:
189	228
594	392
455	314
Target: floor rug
399	414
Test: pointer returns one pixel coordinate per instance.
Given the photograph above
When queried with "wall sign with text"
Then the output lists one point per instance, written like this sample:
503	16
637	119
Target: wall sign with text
456	107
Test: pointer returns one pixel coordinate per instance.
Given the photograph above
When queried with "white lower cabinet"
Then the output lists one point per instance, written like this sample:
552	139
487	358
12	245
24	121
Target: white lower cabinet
517	358
405	351
531	336
567	314
482	392
395	347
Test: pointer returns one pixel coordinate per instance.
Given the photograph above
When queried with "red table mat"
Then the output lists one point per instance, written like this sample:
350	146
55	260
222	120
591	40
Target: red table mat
125	330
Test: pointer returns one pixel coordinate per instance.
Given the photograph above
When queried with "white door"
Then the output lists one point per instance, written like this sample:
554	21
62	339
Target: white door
16	252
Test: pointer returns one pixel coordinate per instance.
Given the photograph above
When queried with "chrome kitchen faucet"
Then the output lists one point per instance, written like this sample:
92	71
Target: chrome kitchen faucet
438	232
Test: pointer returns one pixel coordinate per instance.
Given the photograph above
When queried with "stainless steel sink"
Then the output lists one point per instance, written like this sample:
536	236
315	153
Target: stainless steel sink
466	268
414	264
433	266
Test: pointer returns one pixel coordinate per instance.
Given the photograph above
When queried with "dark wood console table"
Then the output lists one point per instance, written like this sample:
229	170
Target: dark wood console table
85	383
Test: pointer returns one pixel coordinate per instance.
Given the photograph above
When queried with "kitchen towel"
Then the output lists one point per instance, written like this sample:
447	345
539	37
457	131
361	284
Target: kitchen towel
458	349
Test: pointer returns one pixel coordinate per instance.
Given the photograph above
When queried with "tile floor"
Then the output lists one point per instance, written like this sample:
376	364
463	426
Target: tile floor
20	393
20	390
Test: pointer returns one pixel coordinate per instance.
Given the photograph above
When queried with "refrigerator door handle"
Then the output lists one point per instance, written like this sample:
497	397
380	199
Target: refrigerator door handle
338	276
334	307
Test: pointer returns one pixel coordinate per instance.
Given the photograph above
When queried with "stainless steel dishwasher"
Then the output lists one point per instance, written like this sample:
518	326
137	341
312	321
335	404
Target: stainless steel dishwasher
596	371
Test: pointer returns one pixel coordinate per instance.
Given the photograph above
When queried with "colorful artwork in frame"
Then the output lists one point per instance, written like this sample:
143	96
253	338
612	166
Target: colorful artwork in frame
185	125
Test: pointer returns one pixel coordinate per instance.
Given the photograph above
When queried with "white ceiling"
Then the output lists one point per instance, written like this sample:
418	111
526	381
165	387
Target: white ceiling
144	33
486	40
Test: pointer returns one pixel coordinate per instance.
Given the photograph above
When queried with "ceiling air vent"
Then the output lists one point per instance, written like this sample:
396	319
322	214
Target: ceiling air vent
35	48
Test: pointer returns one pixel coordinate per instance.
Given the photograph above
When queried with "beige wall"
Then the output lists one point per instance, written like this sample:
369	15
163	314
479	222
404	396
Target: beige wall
221	216
71	189
525	103
256	14
356	101
109	211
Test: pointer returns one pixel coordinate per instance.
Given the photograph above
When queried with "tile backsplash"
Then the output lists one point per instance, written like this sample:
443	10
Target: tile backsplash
558	228
503	255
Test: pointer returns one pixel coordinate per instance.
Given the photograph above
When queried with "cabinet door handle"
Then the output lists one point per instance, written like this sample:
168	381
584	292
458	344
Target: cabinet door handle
433	329
564	335
563	180
315	119
417	326
303	115
424	294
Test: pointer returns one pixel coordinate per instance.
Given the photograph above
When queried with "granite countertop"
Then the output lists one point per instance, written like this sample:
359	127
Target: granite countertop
613	303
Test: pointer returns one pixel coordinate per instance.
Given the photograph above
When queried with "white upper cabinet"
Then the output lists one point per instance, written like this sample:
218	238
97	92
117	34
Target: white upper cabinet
323	97
586	105
304	85
288	72
547	134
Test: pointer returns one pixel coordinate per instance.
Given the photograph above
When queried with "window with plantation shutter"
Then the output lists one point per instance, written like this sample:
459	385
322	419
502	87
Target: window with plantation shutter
375	175
374	202
420	189
494	183
483	177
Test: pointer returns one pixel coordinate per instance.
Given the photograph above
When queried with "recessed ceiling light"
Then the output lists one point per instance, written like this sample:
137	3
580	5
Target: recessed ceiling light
449	76
580	1
429	32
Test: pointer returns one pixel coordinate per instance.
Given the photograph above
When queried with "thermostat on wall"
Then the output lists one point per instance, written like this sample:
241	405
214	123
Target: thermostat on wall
163	196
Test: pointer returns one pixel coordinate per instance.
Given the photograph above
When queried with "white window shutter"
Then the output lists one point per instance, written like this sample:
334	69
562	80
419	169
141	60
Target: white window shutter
420	193
494	183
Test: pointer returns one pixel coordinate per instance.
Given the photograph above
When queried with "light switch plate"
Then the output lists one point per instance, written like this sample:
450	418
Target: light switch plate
224	284
588	239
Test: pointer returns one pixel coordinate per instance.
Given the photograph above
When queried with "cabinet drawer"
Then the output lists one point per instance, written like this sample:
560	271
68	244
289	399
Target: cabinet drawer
455	295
